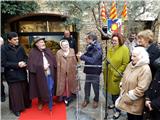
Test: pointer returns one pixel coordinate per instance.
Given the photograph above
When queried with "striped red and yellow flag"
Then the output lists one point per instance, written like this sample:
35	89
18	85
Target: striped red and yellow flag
113	11
103	13
124	11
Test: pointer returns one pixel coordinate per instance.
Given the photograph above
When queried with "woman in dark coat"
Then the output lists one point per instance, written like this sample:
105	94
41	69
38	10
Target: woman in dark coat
14	61
42	71
153	94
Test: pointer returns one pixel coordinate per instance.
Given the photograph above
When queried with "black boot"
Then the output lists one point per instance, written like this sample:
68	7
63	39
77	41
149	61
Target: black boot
16	113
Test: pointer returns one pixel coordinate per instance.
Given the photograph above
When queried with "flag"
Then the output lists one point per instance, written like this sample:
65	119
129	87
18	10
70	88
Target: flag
103	13
124	11
124	16
113	11
114	26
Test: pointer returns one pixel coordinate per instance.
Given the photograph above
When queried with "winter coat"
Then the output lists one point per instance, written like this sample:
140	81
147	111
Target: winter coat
154	90
153	93
136	80
93	56
10	58
119	58
66	70
37	77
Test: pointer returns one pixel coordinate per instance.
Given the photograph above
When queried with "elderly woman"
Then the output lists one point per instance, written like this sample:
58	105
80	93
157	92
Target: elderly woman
42	72
118	56
66	72
136	80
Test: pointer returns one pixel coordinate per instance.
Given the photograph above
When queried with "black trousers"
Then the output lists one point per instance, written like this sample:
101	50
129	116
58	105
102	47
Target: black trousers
94	81
134	117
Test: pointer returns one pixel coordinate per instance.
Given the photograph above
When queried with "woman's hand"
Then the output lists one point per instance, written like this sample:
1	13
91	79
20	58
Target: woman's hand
148	104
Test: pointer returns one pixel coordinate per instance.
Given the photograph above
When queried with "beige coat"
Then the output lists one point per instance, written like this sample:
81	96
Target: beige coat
135	82
66	72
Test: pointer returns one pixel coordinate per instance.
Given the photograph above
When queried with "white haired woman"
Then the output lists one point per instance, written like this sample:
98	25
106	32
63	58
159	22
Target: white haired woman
135	82
67	85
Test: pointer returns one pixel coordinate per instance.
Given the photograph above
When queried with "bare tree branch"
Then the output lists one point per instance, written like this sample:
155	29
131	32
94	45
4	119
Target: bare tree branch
144	10
77	7
94	16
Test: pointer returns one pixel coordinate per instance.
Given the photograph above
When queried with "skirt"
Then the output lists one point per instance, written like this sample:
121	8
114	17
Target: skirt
19	96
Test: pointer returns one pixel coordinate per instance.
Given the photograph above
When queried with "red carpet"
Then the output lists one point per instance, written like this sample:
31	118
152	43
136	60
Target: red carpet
58	112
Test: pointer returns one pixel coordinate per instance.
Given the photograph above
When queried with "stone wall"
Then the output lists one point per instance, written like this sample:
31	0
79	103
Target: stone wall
157	30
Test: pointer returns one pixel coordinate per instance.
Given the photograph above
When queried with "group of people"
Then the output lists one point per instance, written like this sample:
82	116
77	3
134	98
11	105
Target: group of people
132	74
48	74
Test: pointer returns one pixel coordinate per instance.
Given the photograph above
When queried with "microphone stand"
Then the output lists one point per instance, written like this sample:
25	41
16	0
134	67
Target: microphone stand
107	37
106	94
108	62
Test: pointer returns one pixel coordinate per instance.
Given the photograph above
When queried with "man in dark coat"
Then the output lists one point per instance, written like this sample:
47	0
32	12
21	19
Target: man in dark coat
42	72
92	56
14	61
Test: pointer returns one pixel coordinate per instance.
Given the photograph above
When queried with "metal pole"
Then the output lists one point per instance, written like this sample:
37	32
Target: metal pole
106	85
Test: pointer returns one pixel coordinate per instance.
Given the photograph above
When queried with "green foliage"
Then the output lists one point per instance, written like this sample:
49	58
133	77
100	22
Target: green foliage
18	7
13	8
